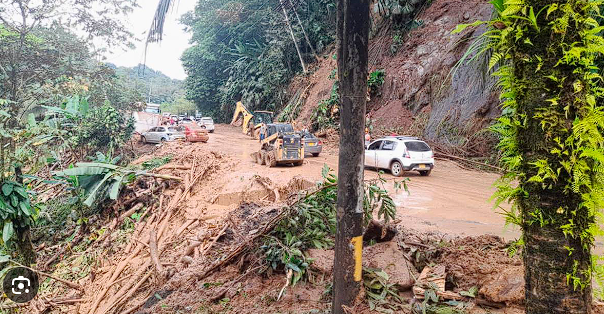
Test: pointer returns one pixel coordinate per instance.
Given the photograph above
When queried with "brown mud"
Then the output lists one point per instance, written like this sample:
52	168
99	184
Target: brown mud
225	200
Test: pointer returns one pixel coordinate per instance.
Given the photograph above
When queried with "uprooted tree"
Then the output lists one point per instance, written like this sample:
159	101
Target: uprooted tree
548	55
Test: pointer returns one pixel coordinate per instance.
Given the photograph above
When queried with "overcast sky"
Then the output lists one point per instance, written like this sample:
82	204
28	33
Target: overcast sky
164	56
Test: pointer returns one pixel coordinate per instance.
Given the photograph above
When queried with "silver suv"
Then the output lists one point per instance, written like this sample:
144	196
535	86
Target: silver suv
208	123
399	154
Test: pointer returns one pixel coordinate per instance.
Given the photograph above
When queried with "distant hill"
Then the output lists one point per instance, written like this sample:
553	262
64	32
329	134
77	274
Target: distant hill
163	89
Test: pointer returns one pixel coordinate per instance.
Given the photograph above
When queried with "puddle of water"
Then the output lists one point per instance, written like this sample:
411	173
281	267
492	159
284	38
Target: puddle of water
412	203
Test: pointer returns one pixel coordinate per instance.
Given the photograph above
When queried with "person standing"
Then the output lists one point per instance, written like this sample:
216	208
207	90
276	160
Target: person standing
367	137
262	131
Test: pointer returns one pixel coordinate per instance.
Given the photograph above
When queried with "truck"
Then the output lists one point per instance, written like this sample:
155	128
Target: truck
282	145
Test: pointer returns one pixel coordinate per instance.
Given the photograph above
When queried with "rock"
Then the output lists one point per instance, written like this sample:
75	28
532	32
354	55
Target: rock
422	50
388	257
507	285
466	15
187	259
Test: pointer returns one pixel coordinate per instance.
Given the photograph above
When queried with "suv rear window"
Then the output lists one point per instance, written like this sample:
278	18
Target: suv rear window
308	135
417	146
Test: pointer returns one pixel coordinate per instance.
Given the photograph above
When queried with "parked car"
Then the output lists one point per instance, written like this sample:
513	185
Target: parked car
194	132
186	120
162	134
399	154
208	123
312	144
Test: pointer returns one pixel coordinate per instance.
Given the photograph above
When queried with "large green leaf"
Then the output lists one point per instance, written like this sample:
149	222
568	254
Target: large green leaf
7	231
7	189
97	164
92	197
25	208
82	171
115	188
21	191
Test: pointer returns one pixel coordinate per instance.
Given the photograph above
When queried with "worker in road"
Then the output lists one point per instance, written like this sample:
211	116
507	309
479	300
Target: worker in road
367	137
262	131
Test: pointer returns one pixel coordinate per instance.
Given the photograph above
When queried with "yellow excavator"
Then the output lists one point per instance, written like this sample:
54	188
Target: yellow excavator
251	121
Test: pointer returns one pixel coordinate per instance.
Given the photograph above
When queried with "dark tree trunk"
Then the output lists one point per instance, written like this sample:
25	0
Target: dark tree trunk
352	47
25	248
546	257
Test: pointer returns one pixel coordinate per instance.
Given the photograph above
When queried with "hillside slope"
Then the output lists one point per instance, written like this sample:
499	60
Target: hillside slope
418	95
153	85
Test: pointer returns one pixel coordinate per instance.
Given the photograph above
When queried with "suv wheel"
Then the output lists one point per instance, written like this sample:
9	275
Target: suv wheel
396	168
425	173
144	140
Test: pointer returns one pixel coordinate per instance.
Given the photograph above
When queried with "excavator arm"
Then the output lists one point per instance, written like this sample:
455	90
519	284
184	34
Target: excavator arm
240	109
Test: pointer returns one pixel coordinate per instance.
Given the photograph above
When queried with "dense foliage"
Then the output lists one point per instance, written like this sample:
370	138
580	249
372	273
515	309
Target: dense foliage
154	86
178	106
243	51
552	137
43	63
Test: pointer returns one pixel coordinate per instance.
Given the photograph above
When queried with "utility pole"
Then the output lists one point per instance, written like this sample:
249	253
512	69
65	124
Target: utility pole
352	47
303	31
291	31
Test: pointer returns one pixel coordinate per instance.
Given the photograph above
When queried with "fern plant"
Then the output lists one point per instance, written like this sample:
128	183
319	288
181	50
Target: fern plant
547	56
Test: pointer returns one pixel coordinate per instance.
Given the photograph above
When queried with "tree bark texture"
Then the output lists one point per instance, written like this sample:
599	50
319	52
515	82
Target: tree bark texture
546	260
352	53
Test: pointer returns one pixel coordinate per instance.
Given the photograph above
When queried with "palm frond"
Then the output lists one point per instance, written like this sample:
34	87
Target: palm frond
157	26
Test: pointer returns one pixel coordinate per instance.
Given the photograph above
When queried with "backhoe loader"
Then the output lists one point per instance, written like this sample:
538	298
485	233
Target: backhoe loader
281	146
251	121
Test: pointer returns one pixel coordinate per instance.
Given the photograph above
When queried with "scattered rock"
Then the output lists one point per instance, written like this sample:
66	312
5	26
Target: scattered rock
506	286
422	50
390	258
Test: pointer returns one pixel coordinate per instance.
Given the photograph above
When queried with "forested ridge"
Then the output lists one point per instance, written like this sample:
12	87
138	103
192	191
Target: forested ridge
244	51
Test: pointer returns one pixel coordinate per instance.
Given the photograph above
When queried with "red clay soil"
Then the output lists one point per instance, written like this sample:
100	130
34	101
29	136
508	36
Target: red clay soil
414	74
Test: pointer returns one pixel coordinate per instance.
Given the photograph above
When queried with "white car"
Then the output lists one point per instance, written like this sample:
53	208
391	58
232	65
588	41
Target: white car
162	134
399	154
208	123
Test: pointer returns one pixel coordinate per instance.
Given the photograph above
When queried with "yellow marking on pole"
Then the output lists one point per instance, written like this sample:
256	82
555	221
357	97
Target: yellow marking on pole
358	257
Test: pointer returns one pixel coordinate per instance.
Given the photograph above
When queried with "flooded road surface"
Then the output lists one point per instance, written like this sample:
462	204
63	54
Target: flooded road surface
451	200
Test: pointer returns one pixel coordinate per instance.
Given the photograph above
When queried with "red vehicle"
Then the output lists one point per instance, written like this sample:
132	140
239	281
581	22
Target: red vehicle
195	133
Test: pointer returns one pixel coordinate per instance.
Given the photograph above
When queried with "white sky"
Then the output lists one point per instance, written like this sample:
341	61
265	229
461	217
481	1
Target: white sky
164	56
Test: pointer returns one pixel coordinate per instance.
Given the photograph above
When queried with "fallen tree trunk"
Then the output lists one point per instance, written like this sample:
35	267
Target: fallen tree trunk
153	252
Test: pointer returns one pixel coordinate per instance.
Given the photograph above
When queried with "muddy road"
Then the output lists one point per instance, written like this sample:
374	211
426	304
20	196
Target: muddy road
451	200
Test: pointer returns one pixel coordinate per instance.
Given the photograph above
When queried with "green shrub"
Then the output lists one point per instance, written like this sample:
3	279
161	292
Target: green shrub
375	81
104	127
